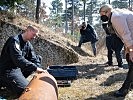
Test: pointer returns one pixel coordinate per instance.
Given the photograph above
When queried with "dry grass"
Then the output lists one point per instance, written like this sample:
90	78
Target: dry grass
95	81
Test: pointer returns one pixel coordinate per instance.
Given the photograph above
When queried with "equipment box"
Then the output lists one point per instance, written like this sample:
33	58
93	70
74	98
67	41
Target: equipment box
63	72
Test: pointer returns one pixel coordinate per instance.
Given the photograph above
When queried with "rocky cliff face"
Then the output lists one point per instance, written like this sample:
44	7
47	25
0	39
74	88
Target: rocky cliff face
52	53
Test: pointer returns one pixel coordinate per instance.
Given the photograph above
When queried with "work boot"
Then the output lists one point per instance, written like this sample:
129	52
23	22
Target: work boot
109	63
120	65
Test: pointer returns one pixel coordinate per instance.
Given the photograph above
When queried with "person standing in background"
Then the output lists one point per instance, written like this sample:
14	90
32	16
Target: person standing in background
122	22
88	34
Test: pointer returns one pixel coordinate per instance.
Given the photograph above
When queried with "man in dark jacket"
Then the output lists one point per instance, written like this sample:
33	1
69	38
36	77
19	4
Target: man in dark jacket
18	60
88	34
113	44
83	38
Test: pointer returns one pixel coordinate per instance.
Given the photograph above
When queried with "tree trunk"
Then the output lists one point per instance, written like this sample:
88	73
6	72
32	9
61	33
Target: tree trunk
37	10
72	29
66	25
84	9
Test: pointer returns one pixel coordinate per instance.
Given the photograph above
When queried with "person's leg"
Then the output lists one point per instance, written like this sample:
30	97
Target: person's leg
94	48
119	57
15	81
109	55
118	45
80	41
129	80
109	50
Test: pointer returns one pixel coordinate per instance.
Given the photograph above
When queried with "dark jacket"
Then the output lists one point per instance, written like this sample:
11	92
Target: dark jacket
105	25
113	42
89	34
18	54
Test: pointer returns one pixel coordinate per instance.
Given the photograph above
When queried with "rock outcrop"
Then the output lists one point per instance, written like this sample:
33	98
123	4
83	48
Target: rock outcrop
53	53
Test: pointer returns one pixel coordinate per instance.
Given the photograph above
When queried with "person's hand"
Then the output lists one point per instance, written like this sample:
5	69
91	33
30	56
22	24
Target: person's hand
40	70
131	56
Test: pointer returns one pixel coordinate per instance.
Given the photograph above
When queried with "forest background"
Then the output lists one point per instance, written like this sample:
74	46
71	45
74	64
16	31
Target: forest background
64	16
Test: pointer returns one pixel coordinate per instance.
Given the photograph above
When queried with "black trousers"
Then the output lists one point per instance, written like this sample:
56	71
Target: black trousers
114	44
15	80
83	39
129	79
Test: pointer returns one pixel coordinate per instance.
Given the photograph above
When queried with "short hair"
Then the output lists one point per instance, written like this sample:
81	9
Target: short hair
105	8
32	28
84	23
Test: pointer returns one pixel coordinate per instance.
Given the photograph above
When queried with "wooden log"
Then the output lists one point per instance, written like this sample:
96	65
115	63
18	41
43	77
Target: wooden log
43	86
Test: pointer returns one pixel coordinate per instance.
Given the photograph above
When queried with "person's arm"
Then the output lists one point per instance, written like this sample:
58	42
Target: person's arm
36	59
120	24
18	59
92	31
82	31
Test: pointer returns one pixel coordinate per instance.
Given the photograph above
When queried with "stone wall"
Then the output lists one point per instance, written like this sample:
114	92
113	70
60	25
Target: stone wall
52	53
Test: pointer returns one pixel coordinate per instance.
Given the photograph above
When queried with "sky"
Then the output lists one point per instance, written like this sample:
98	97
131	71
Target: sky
48	4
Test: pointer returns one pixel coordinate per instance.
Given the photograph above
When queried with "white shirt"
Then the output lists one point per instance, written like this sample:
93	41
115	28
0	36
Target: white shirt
122	21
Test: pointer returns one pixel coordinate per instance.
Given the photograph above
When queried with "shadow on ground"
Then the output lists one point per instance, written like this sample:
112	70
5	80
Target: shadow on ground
106	96
80	51
114	79
93	70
